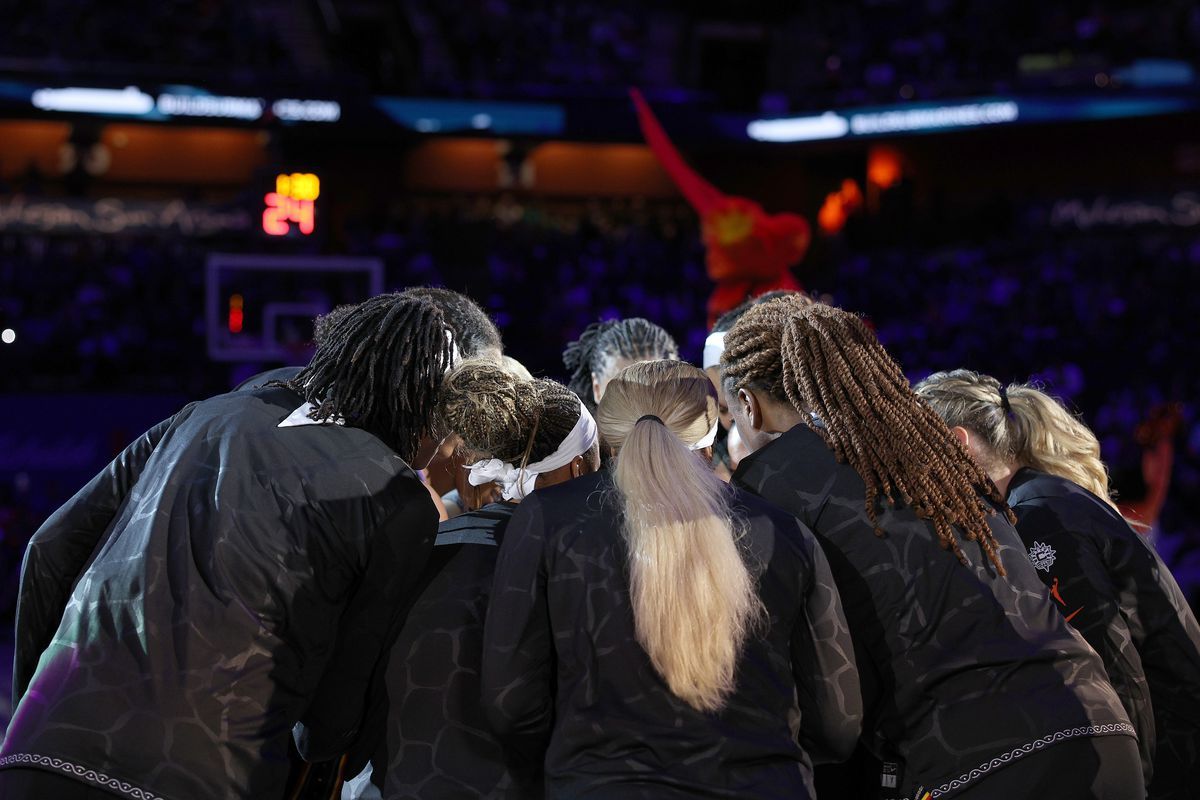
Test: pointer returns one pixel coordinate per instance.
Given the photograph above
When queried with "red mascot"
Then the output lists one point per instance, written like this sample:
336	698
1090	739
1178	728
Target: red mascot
749	251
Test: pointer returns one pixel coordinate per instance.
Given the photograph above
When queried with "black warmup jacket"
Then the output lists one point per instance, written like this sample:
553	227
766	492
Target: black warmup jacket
438	743
565	681
1112	586
263	378
220	581
963	671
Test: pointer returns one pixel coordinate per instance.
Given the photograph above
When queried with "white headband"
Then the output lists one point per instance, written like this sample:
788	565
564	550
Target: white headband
714	345
516	483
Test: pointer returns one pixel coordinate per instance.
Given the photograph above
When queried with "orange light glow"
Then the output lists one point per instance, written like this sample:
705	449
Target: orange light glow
883	167
839	206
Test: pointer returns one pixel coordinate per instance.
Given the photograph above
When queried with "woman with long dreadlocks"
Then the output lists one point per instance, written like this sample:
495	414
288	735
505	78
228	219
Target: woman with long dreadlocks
1102	574
606	348
525	435
238	570
475	336
654	633
973	681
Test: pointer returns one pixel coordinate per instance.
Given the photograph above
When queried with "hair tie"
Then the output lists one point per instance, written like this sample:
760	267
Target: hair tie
650	417
1004	404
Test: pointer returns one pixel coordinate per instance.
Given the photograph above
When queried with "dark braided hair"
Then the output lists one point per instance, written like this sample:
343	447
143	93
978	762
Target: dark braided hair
726	321
634	338
825	361
379	366
474	332
323	323
577	358
499	415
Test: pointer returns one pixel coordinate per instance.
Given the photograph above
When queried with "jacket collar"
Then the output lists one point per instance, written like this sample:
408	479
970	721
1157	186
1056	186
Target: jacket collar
302	416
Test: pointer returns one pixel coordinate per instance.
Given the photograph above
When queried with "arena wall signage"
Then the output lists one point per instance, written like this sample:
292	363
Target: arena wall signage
1181	210
114	216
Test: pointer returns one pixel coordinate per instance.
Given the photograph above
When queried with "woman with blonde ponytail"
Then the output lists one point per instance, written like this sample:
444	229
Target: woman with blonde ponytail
656	633
1102	574
1018	425
693	596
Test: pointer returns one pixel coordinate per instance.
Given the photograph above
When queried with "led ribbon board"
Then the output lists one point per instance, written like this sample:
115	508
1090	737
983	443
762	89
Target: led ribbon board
918	118
902	119
176	102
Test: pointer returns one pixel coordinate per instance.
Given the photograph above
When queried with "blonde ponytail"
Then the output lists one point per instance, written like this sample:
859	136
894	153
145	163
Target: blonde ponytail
694	600
1020	423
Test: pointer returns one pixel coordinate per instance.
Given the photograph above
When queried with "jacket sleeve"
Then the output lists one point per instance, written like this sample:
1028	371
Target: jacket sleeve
348	709
518	647
1083	588
824	667
61	547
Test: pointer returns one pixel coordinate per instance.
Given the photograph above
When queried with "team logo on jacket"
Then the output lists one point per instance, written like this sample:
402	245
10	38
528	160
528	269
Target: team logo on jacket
1042	556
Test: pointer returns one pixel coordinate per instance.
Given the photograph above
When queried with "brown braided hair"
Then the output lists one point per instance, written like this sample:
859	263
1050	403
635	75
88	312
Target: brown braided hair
825	362
499	415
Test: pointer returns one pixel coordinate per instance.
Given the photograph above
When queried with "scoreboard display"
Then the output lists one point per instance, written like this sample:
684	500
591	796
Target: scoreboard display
292	203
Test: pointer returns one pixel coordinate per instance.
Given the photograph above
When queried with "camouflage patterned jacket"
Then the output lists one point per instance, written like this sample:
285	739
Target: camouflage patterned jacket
564	675
963	671
1111	585
223	579
438	742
